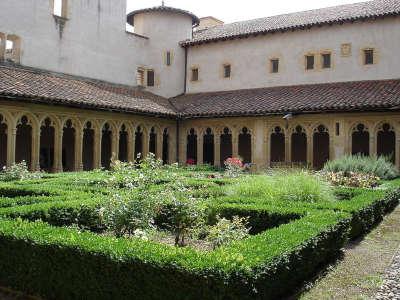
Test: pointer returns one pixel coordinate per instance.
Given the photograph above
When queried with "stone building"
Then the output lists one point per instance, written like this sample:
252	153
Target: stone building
77	89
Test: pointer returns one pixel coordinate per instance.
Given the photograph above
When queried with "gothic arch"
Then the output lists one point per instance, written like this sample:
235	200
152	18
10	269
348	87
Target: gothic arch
277	144
299	144
321	146
360	139
386	140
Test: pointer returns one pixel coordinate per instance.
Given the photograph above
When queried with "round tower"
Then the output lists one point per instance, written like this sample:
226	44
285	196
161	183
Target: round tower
165	27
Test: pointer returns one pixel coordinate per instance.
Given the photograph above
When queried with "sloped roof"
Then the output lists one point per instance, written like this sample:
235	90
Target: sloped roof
327	97
131	16
55	88
299	20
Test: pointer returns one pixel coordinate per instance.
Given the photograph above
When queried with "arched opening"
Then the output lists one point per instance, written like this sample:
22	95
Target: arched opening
165	149
88	147
360	140
68	147
153	141
208	147
321	147
123	144
299	146
226	145
245	145
277	146
138	143
3	143
191	149
106	150
386	142
23	143
46	158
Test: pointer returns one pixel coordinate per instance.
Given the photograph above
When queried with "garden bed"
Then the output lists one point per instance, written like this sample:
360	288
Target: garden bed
290	241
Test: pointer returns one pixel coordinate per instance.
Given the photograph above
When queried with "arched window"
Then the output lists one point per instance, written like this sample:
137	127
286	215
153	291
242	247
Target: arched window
386	142
88	147
360	140
46	158
153	141
245	145
226	145
191	148
123	144
106	151
277	145
208	147
321	147
299	145
68	147
165	149
23	145
138	143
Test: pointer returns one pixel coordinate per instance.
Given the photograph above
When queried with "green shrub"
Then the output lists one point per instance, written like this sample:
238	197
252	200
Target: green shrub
378	166
288	186
18	171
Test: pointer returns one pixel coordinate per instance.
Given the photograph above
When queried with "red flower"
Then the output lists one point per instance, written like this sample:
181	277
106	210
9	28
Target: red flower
190	161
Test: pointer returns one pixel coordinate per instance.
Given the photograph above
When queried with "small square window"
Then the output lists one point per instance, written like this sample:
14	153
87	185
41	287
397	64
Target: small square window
274	65
310	62
369	56
150	78
326	60
227	71
195	74
168	58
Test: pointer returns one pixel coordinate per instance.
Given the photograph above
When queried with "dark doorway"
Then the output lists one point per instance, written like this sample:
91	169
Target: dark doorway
165	149
3	143
191	149
208	147
138	143
106	150
299	146
226	145
153	141
245	145
321	147
360	140
88	147
123	144
68	147
277	146
386	142
46	158
23	143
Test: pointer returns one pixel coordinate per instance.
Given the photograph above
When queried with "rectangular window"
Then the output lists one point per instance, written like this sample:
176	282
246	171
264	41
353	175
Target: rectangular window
195	74
227	71
309	62
369	56
274	65
168	58
140	77
150	78
326	60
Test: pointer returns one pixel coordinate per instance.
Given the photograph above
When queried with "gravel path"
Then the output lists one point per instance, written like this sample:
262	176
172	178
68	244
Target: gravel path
390	288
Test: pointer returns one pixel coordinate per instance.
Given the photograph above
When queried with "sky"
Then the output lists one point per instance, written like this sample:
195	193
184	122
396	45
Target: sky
233	10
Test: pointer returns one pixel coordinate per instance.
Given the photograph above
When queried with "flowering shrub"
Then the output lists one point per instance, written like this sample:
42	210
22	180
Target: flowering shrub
226	231
18	171
233	166
190	161
352	179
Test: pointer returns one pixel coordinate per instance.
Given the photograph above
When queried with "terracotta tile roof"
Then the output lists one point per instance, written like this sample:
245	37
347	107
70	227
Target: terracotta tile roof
328	97
131	16
54	88
300	20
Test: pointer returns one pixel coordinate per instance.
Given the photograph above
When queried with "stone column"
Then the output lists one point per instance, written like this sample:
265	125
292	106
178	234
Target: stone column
268	147
11	141
217	149
35	155
97	148
159	145
200	154
182	148
397	151
78	149
288	146
146	138
172	136
58	137
372	144
259	145
131	146
115	145
310	149
235	144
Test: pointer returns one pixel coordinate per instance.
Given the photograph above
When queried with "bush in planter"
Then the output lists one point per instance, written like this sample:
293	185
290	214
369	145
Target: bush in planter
381	166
